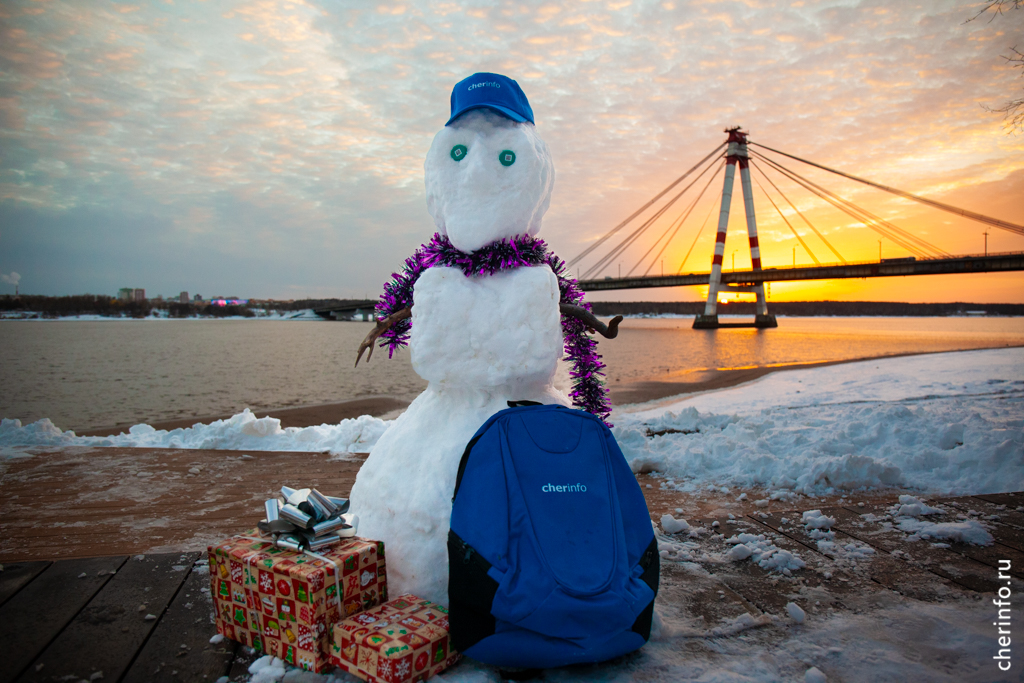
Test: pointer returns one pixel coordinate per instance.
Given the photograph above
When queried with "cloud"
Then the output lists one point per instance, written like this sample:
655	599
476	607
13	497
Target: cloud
12	279
257	138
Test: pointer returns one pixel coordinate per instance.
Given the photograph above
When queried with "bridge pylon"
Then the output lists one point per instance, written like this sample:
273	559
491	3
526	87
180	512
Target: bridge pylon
736	155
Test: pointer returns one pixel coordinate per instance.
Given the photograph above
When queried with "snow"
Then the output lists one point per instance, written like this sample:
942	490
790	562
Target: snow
795	612
478	341
478	200
671	525
764	553
243	431
859	646
949	424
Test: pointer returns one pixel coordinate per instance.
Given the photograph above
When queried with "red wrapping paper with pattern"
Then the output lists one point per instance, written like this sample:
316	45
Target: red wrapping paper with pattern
400	641
283	603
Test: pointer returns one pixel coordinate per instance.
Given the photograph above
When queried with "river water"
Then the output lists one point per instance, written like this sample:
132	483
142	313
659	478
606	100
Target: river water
89	374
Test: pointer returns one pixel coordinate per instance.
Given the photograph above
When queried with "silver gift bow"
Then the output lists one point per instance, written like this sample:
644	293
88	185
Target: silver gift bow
306	520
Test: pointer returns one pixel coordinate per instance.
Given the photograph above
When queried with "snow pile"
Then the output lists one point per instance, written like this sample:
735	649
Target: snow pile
239	432
765	553
945	423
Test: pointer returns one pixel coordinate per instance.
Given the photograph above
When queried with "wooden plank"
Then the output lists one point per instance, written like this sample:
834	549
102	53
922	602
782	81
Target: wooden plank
1010	500
244	657
770	591
881	568
1004	514
179	648
14	576
989	555
944	562
110	630
32	617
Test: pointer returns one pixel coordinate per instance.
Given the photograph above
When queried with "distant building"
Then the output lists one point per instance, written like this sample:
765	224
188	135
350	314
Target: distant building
125	294
198	298
183	298
139	294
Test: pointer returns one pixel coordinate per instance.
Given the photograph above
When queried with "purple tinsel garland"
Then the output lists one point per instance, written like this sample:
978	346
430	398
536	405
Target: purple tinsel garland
589	392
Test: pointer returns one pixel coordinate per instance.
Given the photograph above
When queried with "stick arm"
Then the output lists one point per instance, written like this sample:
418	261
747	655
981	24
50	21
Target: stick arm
382	327
609	331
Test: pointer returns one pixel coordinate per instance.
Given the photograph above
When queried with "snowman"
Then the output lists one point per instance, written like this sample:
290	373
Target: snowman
493	313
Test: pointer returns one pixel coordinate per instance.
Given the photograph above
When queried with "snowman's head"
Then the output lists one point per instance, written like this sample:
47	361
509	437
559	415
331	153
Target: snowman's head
488	178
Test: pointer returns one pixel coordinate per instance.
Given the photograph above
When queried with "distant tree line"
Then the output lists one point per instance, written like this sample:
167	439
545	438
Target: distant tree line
92	304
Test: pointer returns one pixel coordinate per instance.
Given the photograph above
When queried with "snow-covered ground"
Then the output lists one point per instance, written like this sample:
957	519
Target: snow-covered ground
950	423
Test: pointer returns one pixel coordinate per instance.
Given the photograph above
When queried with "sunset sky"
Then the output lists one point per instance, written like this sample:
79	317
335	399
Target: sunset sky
274	149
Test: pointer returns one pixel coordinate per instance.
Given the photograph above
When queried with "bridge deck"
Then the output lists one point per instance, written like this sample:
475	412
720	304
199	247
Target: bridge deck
834	271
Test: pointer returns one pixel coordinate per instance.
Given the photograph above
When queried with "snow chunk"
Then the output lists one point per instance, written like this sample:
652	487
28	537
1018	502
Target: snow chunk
795	612
969	531
217	639
762	551
814	519
672	525
913	507
814	675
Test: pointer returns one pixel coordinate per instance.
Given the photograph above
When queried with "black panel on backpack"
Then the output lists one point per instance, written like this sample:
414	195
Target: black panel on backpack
470	594
651	562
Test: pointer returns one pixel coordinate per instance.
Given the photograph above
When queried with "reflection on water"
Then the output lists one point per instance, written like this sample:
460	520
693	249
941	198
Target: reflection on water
668	349
92	374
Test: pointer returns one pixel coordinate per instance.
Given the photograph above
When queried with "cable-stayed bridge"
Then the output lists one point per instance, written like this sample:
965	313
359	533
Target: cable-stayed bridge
918	256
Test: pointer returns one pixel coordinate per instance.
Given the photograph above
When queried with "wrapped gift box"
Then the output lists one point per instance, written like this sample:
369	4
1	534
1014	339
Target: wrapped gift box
402	640
284	603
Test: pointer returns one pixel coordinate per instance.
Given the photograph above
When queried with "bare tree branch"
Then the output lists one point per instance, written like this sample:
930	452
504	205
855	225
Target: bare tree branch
997	7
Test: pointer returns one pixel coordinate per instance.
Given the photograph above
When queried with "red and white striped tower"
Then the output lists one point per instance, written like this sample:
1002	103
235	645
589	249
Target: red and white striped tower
736	155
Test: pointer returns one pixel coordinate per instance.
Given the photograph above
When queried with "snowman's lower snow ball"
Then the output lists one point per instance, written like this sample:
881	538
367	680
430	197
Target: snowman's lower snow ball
479	341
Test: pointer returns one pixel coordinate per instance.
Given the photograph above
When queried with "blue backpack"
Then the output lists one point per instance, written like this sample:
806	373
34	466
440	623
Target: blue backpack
552	556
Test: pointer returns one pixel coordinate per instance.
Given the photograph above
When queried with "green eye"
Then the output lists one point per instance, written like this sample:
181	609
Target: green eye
507	157
459	152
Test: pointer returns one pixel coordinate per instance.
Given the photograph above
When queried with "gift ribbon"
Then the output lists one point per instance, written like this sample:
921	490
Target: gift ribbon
305	521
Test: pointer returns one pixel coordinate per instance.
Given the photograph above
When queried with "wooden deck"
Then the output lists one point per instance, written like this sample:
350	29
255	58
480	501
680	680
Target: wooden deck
104	569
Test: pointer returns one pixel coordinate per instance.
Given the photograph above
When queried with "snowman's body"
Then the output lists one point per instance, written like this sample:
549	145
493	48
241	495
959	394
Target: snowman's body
479	341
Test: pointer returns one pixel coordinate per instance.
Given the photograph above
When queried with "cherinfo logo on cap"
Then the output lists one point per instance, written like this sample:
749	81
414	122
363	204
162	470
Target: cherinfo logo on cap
498	93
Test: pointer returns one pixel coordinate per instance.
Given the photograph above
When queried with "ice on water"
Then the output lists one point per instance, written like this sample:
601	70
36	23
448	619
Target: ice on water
478	341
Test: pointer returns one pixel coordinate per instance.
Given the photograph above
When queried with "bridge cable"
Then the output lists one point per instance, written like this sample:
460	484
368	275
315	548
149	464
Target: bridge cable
852	212
862	215
783	217
643	208
678	224
1005	225
801	214
598	267
679	272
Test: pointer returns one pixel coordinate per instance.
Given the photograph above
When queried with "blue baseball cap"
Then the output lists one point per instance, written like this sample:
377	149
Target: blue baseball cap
490	91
